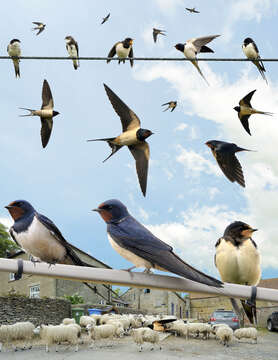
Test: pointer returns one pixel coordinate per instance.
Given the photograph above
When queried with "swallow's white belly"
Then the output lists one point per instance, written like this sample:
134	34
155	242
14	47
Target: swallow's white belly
72	51
246	110
45	113
128	255
238	265
121	51
250	52
39	242
128	138
189	51
14	50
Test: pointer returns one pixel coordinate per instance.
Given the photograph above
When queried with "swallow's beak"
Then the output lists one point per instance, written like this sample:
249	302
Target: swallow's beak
131	42
208	144
8	207
253	230
97	210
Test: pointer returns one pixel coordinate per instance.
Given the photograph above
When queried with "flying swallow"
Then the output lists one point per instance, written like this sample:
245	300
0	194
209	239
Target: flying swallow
194	46
46	113
123	49
138	245
245	110
171	105
157	32
192	10
132	136
251	51
238	261
72	49
14	52
40	26
224	154
105	19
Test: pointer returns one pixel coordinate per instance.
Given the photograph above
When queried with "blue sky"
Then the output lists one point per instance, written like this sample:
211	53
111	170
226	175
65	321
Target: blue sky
189	202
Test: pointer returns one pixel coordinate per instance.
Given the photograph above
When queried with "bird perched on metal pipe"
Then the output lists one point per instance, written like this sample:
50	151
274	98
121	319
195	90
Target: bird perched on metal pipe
251	51
122	49
72	49
14	52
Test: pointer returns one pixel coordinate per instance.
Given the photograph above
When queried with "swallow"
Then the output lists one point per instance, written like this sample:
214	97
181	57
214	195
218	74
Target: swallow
138	245
238	261
40	26
46	113
251	51
171	105
194	46
132	136
245	110
105	19
14	52
192	10
224	154
72	49
157	32
123	49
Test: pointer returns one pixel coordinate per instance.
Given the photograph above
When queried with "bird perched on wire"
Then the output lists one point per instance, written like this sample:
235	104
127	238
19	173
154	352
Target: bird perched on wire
14	52
192	47
192	10
138	245
157	32
105	19
72	49
224	154
40	26
122	49
171	105
238	261
46	113
245	110
132	136
251	51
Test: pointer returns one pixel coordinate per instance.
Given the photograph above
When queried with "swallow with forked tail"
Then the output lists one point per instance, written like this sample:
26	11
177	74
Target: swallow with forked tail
157	32
72	49
122	49
251	51
40	26
105	19
192	10
14	52
171	105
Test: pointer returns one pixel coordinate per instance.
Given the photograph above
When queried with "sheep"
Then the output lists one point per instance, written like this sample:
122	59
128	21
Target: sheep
144	334
249	333
68	321
179	327
119	327
86	320
51	334
102	331
197	328
96	317
224	334
18	331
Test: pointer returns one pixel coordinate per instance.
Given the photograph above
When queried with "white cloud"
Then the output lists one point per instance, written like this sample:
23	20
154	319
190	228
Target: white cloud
169	6
143	214
181	127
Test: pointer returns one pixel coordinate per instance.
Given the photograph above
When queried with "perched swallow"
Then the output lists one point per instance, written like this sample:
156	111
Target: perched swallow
14	52
40	26
105	19
138	245
192	10
157	32
238	261
245	110
72	49
224	154
194	46
251	51
171	105
46	113
123	49
132	136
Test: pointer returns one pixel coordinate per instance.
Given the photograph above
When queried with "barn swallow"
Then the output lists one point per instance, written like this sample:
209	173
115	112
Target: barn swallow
245	110
105	19
123	49
72	49
251	51
238	261
14	52
46	113
157	32
171	105
192	10
132	136
224	154
40	26
194	46
138	245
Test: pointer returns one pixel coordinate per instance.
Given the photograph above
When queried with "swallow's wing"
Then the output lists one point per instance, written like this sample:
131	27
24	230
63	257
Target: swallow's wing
36	23
255	47
245	123
230	166
46	128
131	235
246	100
141	154
128	118
131	56
13	237
201	41
112	52
47	99
40	30
155	36
168	103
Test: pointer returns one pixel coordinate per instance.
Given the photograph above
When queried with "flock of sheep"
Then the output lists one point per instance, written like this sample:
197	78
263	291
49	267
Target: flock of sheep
111	326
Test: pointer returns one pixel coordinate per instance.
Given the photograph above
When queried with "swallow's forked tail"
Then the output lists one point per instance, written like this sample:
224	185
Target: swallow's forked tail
195	63
261	69
114	147
32	112
16	67
264	113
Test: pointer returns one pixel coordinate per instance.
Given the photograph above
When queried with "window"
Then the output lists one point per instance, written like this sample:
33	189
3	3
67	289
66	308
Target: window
147	291
102	302
35	291
11	277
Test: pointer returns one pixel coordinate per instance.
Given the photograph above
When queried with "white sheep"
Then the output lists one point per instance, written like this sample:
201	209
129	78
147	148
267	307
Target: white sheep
106	331
199	328
51	334
144	334
86	320
224	334
96	317
249	333
21	331
68	321
119	327
179	327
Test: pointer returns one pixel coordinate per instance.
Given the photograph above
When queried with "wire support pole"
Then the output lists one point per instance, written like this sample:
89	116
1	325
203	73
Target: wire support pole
134	279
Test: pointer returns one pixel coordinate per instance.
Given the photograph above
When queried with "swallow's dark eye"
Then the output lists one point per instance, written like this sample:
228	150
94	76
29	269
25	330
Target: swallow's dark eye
106	207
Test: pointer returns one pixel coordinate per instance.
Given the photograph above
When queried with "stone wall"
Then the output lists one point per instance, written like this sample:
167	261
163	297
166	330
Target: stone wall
38	311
